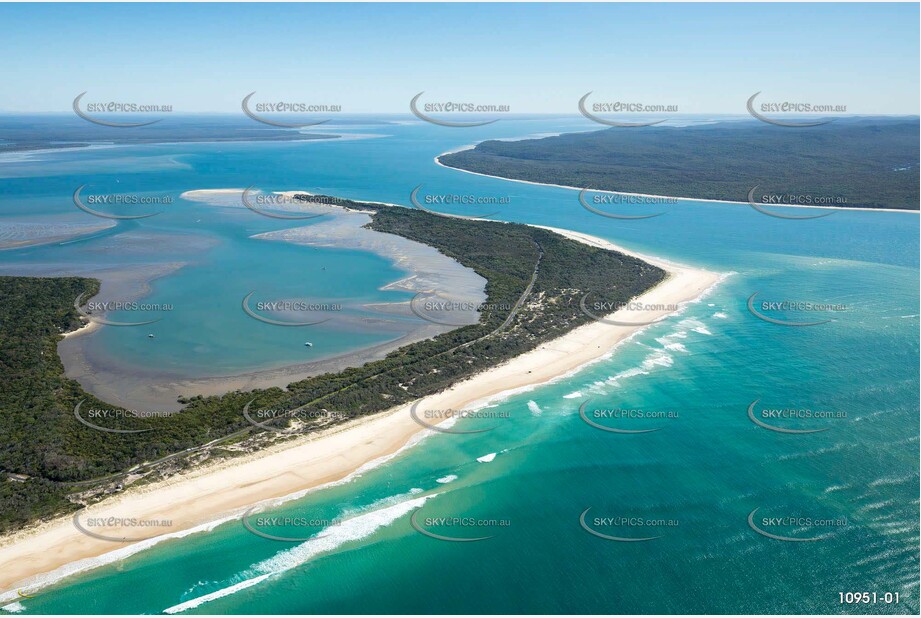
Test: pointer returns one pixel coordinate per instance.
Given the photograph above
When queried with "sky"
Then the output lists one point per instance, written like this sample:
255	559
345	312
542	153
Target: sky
535	58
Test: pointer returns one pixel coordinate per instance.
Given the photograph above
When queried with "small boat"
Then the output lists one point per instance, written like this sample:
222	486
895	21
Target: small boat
150	335
308	344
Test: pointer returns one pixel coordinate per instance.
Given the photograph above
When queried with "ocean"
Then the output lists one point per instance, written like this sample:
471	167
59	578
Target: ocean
543	481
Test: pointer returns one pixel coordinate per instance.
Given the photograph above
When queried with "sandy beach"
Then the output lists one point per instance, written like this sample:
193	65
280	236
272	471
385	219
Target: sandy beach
198	499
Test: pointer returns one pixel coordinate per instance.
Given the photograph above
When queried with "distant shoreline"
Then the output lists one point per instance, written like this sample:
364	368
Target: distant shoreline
438	162
78	145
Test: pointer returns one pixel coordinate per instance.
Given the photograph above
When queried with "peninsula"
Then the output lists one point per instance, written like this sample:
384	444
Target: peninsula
849	163
209	462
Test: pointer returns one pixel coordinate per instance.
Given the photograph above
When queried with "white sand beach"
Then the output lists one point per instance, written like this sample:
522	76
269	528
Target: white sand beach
196	499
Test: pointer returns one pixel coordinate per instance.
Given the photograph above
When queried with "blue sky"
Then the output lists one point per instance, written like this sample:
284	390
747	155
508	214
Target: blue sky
705	58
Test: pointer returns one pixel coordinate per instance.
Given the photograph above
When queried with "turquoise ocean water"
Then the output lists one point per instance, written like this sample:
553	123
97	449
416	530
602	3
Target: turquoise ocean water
692	483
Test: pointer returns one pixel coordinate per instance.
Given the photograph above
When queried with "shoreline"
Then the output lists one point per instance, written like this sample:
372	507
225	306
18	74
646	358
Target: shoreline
69	232
650	195
311	137
134	387
205	497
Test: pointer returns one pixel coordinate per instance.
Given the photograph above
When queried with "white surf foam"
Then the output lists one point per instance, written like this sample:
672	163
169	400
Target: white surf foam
329	539
894	480
87	564
534	408
447	479
349	513
629	373
667	343
486	458
695	325
215	595
599	386
658	358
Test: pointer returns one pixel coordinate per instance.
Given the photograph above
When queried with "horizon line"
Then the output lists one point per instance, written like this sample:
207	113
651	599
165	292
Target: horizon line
504	114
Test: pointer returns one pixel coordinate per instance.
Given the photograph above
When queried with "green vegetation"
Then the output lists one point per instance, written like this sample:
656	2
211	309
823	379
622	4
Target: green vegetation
48	455
871	163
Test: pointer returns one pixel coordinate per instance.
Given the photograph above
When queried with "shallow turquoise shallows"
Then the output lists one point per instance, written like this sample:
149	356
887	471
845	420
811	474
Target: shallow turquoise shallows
692	483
